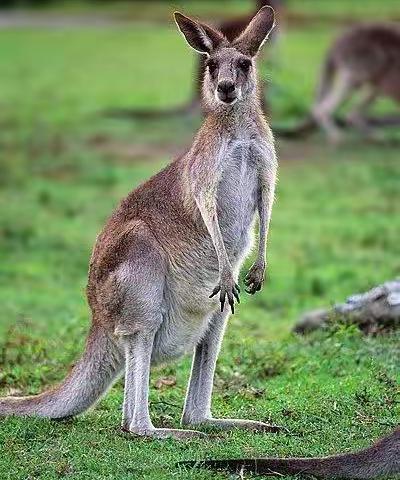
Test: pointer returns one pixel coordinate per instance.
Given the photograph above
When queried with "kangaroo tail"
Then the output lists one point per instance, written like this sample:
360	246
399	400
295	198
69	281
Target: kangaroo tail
383	458
326	78
89	379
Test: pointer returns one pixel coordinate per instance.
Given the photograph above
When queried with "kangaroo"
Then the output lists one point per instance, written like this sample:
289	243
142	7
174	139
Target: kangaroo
382	459
366	56
166	264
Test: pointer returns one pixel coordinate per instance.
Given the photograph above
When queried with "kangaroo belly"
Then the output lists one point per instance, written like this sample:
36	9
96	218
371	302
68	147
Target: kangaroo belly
178	334
187	307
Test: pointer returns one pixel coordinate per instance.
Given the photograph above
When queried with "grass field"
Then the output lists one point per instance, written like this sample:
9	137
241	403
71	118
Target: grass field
64	166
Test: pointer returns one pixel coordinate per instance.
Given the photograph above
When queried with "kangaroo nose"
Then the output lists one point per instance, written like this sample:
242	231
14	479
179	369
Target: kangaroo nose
226	86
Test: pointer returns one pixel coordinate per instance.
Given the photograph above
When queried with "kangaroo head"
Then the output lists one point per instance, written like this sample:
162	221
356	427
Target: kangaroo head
230	75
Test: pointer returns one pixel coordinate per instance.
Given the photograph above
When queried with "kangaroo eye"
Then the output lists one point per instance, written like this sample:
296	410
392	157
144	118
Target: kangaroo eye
245	65
212	66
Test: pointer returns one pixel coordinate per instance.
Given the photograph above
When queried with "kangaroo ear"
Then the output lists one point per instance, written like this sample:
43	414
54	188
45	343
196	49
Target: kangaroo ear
200	37
251	40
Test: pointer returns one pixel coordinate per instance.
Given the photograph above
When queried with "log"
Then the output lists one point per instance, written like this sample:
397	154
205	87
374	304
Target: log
374	311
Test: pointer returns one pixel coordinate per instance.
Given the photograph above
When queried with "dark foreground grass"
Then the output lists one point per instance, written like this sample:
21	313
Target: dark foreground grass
334	231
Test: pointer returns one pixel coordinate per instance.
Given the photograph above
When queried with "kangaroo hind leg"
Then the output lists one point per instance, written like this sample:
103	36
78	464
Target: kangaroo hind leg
140	315
326	106
357	115
197	410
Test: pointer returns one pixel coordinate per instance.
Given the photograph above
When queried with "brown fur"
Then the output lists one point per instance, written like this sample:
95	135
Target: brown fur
153	205
382	459
372	53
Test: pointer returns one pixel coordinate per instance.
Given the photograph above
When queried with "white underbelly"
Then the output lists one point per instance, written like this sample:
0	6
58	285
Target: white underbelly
187	306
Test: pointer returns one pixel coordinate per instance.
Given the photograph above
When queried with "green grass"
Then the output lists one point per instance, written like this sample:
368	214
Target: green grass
345	11
334	232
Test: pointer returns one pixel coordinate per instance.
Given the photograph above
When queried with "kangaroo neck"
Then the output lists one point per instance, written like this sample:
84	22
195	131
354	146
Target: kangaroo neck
236	118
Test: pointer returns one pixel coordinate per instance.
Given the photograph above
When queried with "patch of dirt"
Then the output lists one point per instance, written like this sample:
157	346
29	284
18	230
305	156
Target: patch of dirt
140	14
21	18
127	151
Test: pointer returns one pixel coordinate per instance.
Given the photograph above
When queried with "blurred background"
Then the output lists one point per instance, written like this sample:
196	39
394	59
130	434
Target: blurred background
95	97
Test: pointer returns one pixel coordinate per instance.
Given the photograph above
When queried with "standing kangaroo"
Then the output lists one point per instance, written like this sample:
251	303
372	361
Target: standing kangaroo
174	240
366	56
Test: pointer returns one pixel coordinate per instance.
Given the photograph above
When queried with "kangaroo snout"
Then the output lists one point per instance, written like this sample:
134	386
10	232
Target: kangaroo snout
226	91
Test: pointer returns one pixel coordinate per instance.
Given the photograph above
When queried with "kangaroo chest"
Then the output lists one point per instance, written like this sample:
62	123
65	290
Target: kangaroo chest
186	317
237	196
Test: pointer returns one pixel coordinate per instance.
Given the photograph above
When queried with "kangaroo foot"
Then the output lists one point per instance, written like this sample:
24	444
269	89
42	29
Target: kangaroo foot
231	424
163	433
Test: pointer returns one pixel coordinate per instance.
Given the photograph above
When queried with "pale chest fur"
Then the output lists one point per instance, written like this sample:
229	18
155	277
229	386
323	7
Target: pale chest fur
237	196
187	316
245	160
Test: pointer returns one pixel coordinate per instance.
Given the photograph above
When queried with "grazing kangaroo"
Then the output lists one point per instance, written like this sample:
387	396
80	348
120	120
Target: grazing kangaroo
382	459
174	240
366	56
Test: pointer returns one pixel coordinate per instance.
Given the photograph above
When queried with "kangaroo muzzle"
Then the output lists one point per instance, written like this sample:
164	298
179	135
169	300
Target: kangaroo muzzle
226	91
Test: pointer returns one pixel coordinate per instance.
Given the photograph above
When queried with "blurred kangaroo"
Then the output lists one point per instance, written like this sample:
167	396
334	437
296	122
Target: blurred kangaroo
382	459
366	56
176	238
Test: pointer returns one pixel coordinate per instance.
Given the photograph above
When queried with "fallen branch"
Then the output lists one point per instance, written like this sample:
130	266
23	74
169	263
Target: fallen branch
374	311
